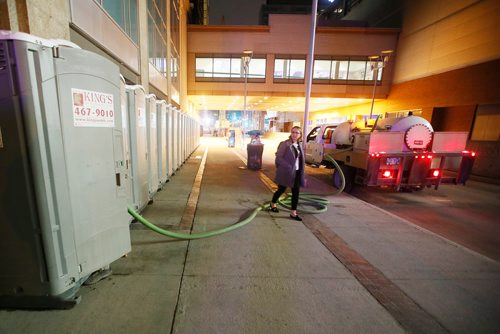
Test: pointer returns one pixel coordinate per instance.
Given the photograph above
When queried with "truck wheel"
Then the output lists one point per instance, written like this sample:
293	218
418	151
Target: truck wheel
348	175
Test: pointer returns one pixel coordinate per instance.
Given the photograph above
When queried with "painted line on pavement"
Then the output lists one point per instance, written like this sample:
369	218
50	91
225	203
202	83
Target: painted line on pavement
190	209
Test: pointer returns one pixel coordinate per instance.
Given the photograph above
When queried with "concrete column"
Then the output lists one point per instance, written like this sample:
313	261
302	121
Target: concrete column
142	13
169	52
14	15
47	19
184	7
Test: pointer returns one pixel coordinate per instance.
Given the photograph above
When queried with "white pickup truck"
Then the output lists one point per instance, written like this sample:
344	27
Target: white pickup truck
404	153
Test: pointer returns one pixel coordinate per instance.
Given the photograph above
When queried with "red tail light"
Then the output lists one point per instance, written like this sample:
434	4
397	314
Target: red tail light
387	174
434	172
471	153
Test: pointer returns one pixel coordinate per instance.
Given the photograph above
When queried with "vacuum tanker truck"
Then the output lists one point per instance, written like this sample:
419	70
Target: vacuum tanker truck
399	152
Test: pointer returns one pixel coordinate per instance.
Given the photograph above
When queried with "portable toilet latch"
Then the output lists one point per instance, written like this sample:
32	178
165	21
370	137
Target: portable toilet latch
55	52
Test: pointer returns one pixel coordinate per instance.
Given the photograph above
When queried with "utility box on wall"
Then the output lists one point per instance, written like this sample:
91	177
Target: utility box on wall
63	197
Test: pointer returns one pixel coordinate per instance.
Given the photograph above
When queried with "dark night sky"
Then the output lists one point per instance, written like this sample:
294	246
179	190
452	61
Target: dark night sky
244	12
234	12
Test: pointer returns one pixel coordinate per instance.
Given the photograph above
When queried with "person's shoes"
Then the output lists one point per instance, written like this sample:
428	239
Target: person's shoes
274	209
296	217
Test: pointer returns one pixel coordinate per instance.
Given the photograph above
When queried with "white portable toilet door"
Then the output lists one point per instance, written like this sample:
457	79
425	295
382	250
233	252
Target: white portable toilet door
152	130
175	139
168	145
162	141
138	145
89	87
127	177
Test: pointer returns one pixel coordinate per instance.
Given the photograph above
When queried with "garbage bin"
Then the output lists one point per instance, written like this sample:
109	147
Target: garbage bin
254	156
231	138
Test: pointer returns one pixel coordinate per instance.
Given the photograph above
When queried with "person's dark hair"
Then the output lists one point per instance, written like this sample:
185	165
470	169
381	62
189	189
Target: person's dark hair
296	128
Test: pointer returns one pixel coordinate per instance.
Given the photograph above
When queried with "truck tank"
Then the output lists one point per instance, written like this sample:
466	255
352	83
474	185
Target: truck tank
418	131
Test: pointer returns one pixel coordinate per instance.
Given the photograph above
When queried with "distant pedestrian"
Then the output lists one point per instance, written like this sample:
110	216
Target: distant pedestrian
290	165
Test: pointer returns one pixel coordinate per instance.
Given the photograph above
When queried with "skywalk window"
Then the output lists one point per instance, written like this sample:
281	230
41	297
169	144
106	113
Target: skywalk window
229	68
289	69
339	70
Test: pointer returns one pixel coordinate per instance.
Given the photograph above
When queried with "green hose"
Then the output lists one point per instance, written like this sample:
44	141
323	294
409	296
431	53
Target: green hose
319	203
337	170
183	236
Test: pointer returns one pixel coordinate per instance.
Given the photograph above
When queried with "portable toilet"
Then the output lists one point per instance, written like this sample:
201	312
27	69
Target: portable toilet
136	104
168	141
161	115
175	139
126	145
62	199
152	142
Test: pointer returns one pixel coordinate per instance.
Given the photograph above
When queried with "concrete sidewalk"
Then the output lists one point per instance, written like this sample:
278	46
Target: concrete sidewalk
353	269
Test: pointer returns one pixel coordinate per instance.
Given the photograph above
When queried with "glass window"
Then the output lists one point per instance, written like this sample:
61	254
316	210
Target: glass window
297	68
280	68
313	134
222	67
124	13
157	32
322	69
236	68
289	68
175	45
340	67
357	70
257	68
174	69
370	73
229	67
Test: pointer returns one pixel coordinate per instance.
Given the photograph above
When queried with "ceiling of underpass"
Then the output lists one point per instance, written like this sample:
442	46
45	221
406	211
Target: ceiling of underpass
270	103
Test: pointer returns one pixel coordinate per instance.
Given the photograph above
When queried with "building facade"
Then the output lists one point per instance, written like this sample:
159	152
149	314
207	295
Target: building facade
145	38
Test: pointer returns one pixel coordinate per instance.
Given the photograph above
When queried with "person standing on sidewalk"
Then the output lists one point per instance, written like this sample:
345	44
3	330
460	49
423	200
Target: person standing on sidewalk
290	165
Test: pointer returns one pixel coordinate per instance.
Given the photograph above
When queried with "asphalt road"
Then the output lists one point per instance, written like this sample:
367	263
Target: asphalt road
467	215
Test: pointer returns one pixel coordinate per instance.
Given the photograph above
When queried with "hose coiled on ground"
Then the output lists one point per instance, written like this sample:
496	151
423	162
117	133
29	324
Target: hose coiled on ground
319	203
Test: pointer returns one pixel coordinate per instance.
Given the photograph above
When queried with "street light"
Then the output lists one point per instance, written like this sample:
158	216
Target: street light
376	63
245	59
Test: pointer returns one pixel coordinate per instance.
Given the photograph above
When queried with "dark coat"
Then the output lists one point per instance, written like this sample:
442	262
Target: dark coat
285	164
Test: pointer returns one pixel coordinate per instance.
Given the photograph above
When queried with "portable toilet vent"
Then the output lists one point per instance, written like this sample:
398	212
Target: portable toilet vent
62	195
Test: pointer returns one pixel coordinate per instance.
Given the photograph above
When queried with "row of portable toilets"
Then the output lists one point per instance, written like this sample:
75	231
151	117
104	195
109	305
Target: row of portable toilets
77	147
158	139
